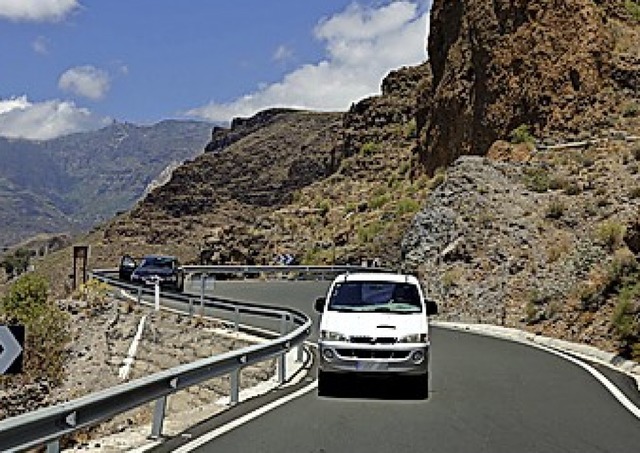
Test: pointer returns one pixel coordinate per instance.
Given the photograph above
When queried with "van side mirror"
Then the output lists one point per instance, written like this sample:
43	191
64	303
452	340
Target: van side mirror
432	307
319	304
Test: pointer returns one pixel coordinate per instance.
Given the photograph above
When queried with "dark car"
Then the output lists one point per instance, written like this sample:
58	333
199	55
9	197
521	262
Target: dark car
127	266
166	269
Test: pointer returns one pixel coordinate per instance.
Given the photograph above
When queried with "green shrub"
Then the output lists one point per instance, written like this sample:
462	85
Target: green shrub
624	321
46	326
624	265
379	201
522	134
631	109
572	189
557	182
407	206
451	277
369	232
537	179
318	256
323	207
405	168
368	148
439	177
633	8
533	313
410	129
94	291
611	234
17	263
556	209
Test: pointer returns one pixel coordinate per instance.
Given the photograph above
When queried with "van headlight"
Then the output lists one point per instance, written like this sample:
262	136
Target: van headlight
414	338
328	335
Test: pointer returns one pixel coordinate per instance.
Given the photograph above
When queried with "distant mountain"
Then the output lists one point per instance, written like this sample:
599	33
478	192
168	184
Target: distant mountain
73	182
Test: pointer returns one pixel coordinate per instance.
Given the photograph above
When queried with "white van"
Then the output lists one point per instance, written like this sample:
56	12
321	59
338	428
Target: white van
374	323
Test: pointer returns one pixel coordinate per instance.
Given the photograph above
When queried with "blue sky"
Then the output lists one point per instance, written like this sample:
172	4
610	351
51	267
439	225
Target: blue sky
72	65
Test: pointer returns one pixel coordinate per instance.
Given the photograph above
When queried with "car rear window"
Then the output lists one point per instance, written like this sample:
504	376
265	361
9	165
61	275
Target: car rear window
157	261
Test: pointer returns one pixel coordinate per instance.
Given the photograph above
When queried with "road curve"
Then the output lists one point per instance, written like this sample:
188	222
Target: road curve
486	395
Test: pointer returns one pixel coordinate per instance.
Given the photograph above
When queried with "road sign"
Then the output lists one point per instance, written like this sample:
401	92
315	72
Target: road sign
11	342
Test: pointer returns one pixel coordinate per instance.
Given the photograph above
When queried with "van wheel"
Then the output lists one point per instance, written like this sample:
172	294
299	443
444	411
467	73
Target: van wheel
420	384
326	383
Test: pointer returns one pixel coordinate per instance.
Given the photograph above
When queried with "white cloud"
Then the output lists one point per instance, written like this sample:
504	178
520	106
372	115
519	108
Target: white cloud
282	53
20	118
40	45
37	10
362	45
86	81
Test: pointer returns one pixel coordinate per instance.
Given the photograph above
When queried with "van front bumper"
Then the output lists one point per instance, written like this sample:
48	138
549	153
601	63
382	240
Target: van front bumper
402	359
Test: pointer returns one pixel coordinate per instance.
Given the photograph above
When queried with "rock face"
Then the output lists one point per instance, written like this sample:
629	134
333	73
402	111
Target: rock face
222	137
496	65
549	244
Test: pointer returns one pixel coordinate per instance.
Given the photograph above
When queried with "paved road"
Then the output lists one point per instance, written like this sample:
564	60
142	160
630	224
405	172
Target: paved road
486	395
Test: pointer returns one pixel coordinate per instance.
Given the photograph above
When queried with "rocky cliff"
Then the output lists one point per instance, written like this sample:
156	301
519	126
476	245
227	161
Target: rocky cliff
211	207
561	68
542	234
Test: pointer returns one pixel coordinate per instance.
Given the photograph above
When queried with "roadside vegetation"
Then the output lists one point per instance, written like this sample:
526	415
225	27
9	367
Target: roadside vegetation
17	263
633	8
27	303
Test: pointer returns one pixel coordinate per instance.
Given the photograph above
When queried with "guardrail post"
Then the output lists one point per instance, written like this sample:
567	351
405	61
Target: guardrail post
53	446
282	358
190	307
300	356
203	287
158	417
284	323
236	319
234	396
139	296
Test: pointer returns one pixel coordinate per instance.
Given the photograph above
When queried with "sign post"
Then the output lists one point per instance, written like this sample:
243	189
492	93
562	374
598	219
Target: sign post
11	344
80	254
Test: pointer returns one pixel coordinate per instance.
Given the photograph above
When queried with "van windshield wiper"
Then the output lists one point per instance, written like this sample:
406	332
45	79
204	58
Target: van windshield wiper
343	308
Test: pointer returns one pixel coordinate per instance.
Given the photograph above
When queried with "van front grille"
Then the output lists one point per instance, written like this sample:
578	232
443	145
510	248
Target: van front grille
372	354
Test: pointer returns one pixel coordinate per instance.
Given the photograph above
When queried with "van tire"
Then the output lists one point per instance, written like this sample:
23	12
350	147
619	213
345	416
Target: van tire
326	383
420	384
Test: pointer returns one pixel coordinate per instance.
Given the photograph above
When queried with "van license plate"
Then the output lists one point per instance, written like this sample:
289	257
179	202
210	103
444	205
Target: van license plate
371	366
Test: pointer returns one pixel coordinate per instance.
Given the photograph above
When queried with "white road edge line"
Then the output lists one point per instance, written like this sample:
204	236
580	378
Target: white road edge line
615	391
202	440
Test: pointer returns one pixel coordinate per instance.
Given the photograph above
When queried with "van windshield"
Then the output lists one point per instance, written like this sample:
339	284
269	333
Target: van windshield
375	297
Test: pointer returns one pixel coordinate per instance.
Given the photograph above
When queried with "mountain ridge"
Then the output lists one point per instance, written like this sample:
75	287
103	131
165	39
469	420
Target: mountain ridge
75	181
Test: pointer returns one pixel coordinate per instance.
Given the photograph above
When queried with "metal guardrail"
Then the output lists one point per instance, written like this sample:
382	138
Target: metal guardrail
242	269
48	425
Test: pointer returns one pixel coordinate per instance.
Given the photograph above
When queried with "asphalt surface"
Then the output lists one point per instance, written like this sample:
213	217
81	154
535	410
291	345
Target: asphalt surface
485	395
